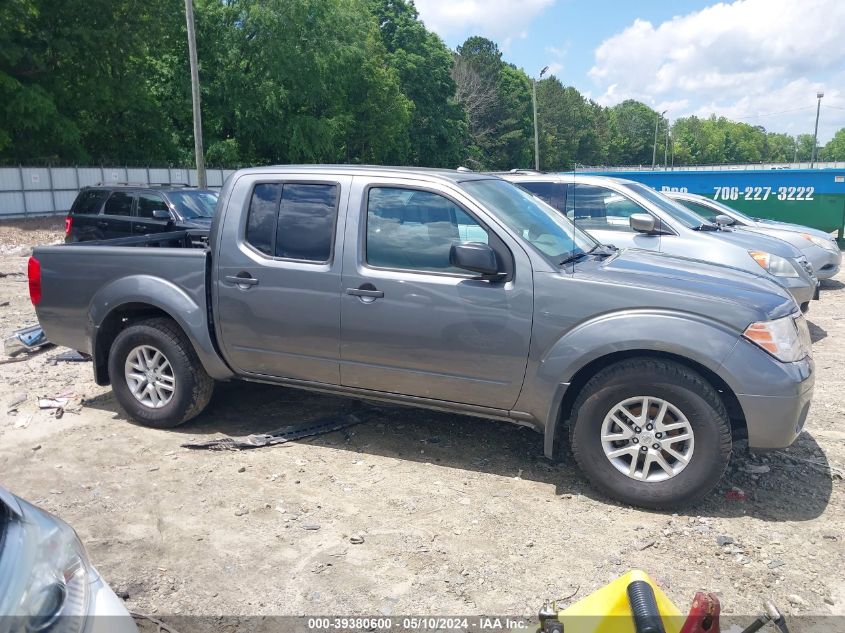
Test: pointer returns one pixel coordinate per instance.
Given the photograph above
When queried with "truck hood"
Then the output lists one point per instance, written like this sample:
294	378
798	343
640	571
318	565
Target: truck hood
692	285
752	241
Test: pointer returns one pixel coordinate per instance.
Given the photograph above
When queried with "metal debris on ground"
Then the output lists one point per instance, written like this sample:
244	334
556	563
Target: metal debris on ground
286	433
71	356
25	339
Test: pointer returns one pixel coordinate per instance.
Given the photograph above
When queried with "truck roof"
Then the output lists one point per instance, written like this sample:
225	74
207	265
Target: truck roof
451	175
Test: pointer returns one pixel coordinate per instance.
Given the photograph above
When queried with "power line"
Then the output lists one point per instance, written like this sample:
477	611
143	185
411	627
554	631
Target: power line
754	116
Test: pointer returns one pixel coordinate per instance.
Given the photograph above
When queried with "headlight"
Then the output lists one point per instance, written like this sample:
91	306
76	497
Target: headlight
774	264
820	241
787	339
55	576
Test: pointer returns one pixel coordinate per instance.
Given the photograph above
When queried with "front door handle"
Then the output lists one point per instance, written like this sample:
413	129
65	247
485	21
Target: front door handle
365	292
102	224
242	281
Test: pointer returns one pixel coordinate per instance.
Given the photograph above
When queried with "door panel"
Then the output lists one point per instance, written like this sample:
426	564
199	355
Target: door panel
422	327
278	278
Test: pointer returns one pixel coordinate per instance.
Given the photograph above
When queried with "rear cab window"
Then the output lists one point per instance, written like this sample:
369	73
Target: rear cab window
293	220
89	202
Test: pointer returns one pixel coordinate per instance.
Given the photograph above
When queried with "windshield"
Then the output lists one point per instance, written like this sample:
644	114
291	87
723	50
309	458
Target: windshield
667	205
538	223
713	208
194	204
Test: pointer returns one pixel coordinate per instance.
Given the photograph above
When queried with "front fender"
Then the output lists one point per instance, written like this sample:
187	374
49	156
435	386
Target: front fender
552	370
187	309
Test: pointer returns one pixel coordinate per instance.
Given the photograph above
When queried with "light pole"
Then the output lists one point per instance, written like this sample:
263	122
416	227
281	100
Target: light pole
666	148
195	94
536	133
654	149
819	96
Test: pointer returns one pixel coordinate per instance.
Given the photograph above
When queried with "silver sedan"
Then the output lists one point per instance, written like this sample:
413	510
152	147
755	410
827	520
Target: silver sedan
820	248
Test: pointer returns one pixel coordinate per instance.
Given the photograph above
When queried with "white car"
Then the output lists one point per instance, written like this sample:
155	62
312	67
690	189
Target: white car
820	248
47	583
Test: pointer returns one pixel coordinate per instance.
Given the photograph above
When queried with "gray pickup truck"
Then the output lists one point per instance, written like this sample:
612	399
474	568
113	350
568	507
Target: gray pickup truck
450	290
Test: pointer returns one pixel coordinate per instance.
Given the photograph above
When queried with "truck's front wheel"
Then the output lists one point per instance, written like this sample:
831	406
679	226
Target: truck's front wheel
156	375
651	433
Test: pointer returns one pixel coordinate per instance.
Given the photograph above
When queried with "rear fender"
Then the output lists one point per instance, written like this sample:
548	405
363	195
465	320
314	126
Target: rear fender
164	296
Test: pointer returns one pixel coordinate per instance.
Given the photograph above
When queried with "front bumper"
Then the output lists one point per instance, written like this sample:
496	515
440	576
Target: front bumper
802	290
106	612
774	396
826	262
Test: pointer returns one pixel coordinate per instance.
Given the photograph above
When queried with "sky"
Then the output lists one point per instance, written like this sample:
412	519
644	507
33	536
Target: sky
757	61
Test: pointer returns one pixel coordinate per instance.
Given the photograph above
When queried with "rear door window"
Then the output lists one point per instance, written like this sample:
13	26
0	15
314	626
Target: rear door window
293	220
119	203
89	202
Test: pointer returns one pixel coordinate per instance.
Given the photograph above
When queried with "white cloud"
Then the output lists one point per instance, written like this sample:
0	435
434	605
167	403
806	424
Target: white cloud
748	60
504	19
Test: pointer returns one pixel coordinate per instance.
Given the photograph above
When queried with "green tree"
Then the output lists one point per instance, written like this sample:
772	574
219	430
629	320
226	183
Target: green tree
423	62
835	147
303	82
633	140
804	143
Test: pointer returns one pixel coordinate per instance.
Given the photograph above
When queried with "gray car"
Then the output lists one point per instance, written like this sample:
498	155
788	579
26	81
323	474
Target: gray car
449	290
47	583
628	214
820	248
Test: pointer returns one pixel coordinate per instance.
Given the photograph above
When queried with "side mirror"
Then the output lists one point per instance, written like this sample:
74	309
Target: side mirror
724	220
645	223
475	257
161	214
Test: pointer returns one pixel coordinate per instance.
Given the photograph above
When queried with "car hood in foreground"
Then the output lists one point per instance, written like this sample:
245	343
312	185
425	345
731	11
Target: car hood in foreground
667	281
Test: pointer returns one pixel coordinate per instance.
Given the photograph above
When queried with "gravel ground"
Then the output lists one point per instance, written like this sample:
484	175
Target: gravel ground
412	512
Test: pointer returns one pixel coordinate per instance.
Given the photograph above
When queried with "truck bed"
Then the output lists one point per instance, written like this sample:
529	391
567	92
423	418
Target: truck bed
79	279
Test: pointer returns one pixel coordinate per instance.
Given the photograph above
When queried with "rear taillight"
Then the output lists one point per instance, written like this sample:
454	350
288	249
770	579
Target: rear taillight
33	271
68	224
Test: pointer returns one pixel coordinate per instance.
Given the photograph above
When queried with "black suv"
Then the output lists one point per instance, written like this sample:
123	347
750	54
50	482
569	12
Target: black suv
120	210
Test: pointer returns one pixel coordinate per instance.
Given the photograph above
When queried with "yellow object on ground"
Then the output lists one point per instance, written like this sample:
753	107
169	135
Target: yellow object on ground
607	610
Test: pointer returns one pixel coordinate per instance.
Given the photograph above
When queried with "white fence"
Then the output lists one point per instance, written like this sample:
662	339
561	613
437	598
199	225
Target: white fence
734	167
28	191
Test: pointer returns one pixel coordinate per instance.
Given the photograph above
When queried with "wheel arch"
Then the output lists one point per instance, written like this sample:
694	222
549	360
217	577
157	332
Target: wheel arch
122	316
556	433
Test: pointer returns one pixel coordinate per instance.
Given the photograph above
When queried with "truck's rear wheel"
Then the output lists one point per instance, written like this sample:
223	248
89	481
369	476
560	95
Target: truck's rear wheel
156	375
651	433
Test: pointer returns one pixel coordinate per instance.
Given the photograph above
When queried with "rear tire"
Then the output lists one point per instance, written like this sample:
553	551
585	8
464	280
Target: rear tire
171	388
669	471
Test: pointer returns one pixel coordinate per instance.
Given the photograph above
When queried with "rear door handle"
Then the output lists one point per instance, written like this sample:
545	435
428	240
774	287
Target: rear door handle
361	292
242	281
141	227
102	224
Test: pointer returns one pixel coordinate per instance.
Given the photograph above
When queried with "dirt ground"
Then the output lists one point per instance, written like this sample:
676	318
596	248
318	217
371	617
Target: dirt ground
413	512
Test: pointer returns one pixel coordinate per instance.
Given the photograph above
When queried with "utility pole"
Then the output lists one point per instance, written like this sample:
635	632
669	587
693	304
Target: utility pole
654	149
813	156
195	94
666	148
536	133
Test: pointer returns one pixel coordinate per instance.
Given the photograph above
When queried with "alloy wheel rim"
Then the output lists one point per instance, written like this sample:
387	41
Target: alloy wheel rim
647	439
149	376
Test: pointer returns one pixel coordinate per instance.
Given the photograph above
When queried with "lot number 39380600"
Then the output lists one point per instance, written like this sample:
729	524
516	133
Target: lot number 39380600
799	194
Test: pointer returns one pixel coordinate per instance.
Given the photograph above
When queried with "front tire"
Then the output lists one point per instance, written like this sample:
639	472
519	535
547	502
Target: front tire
651	433
156	374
